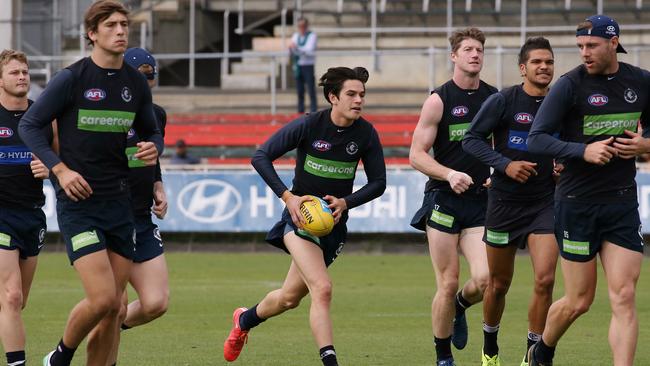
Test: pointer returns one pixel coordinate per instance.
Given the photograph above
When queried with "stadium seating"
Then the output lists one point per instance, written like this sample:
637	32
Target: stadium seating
243	133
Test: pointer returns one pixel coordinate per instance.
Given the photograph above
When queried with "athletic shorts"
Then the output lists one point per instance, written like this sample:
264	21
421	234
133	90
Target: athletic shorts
92	225
581	228
449	212
331	244
510	222
148	242
22	229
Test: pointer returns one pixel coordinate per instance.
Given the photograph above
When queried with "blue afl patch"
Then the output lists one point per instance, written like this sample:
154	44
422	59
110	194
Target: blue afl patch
517	140
597	100
321	145
459	111
523	117
95	94
6	132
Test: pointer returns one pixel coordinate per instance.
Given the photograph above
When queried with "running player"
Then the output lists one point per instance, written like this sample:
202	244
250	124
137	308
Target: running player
329	145
520	198
149	272
95	101
597	107
453	210
22	221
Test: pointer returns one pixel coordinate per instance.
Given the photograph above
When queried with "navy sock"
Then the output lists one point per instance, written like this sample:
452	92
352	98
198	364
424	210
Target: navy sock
16	358
530	340
443	347
544	352
461	303
490	346
124	326
62	355
328	356
249	319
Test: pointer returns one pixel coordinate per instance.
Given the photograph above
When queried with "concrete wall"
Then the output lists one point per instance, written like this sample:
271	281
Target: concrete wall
6	31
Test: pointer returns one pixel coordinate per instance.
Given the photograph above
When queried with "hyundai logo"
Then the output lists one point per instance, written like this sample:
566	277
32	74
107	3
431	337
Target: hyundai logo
209	201
517	140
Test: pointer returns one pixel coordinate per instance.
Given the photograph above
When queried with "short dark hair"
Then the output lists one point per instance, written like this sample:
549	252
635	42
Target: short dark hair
533	43
468	33
332	81
100	11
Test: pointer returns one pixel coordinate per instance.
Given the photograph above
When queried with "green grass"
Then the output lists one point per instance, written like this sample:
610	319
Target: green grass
381	314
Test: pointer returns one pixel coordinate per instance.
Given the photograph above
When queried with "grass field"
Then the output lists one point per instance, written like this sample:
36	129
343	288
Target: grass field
380	313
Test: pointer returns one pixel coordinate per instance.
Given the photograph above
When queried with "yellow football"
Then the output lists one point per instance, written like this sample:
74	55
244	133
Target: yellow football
318	217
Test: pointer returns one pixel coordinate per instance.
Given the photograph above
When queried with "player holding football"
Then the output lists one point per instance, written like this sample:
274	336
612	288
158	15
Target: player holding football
330	143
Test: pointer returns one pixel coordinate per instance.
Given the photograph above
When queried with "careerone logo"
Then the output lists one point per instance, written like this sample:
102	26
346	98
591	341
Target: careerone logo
525	118
6	132
610	124
457	131
597	100
104	120
330	168
460	111
209	201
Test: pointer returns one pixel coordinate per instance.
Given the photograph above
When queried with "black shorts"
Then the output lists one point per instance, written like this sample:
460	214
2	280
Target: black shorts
331	244
22	229
92	225
510	222
581	228
448	212
148	242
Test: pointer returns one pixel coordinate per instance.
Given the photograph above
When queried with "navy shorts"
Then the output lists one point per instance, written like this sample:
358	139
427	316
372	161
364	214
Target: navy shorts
449	212
510	222
581	228
148	242
331	244
92	225
22	229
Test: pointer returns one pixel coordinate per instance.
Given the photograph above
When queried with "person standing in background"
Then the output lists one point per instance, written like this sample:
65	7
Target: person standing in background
302	48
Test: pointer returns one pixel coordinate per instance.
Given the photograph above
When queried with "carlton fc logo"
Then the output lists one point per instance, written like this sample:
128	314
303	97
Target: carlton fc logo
94	95
597	100
630	95
130	134
209	201
126	94
525	118
6	132
459	111
321	145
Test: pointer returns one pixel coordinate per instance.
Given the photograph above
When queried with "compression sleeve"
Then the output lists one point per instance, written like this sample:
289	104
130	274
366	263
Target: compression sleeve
645	115
161	118
484	123
549	119
47	108
281	142
375	168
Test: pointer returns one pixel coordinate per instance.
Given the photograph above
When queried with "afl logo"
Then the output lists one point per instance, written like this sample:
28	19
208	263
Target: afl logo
130	134
517	140
459	111
321	145
597	100
6	132
94	95
524	118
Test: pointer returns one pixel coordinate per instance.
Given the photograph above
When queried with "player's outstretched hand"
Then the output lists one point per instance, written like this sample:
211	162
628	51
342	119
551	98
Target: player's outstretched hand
337	205
600	152
459	181
629	148
147	152
293	203
159	200
74	185
521	170
39	169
